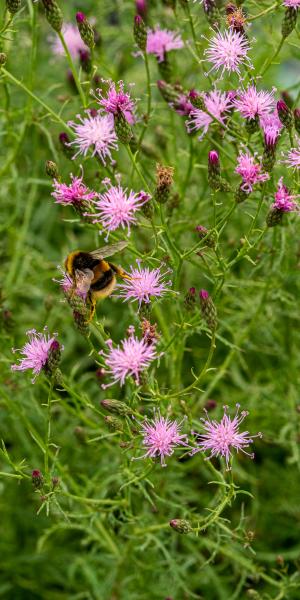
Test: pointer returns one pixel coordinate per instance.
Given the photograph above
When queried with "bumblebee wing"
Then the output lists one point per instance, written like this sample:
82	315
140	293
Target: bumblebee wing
109	250
83	280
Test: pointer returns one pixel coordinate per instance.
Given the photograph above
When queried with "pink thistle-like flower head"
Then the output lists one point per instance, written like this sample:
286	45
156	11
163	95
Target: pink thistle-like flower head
96	133
284	201
213	157
217	103
35	353
75	193
291	3
182	106
249	171
293	157
72	39
271	126
220	437
116	101
227	51
143	284
251	103
160	41
129	359
161	436
116	207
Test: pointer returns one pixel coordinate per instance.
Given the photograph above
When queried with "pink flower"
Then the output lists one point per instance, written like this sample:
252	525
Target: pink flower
35	353
73	41
221	437
271	126
182	106
160	41
293	157
249	171
161	437
227	51
117	101
291	3
217	103
129	360
251	103
143	284
94	133
117	208
75	193
283	199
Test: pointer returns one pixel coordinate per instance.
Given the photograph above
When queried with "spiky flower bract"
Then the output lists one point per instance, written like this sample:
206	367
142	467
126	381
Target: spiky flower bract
160	41
228	51
161	436
96	134
144	283
221	437
251	102
116	100
128	359
35	353
116	207
250	171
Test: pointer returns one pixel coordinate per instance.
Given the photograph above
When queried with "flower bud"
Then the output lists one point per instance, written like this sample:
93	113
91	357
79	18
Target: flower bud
214	173
51	169
181	525
85	29
37	478
164	180
55	482
114	423
196	100
210	404
297	119
64	141
212	13
285	114
190	299
289	21
269	155
274	217
53	14
210	236
13	6
165	68
80	434
287	98
85	61
141	8
123	129
53	360
3	59
240	195
208	309
168	92
140	33
115	406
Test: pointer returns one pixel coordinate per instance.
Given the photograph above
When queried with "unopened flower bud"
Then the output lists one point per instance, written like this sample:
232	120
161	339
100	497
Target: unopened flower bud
81	322
285	114
55	481
168	92
53	14
289	21
114	423
80	434
274	217
297	119
85	29
287	98
196	100
85	60
3	59
190	299
240	194
165	68
115	406
210	404
51	169
122	127
209	236
208	309
13	6
64	141
53	360
140	33
37	478
164	180
215	181
212	13
181	525
141	8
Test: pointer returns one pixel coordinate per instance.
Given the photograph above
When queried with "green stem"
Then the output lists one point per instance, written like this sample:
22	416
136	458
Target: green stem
270	60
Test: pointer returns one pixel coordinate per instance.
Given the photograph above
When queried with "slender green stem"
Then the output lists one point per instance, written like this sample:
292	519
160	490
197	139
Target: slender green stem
270	60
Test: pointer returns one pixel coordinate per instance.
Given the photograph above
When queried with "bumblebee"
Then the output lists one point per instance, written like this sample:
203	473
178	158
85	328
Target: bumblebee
94	276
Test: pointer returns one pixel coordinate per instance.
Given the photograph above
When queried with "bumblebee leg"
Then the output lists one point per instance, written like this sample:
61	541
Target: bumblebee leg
120	272
92	308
